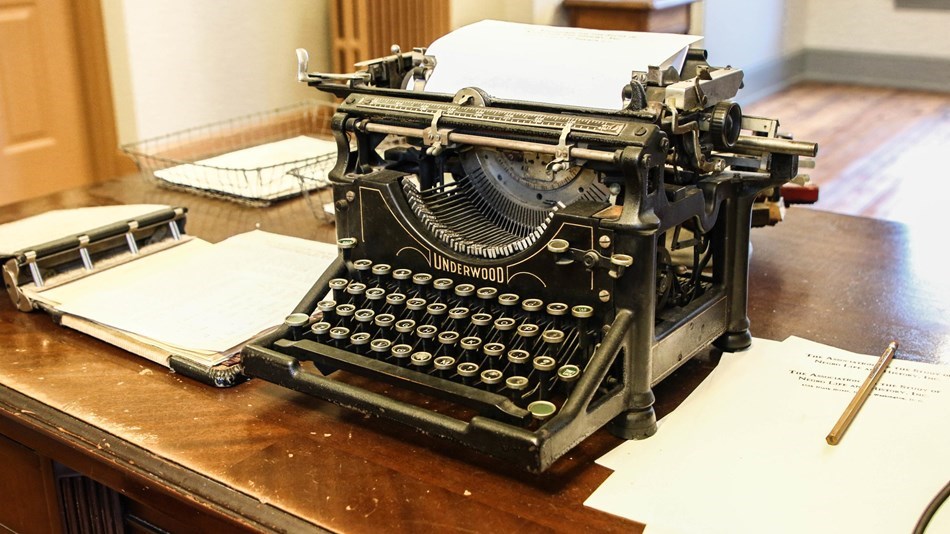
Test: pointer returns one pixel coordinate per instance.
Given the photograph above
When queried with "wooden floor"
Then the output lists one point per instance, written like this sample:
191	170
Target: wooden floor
880	151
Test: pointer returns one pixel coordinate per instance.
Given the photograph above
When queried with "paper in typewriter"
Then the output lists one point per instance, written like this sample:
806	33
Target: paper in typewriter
555	65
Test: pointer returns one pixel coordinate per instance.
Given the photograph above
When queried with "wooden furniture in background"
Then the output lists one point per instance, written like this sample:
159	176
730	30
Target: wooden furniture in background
367	29
665	16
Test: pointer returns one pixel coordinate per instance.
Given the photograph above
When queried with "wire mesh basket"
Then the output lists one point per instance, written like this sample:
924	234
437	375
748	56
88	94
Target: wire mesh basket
255	159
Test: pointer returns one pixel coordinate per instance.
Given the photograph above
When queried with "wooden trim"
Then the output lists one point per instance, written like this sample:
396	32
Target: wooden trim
99	110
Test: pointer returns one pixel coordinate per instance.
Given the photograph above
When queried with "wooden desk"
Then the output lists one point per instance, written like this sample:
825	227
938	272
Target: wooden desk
666	16
184	456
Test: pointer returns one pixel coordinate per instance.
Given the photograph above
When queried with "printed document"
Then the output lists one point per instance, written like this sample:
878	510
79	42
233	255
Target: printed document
746	452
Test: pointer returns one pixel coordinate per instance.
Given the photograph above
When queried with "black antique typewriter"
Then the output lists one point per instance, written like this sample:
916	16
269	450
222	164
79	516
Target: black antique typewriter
516	275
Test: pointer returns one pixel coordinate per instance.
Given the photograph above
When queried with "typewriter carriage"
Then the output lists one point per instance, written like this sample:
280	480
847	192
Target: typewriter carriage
642	215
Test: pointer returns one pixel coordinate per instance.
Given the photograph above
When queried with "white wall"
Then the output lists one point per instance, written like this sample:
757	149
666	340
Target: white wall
876	26
750	34
177	64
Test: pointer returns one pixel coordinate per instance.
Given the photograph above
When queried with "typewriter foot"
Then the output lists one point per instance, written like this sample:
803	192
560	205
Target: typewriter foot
734	341
634	424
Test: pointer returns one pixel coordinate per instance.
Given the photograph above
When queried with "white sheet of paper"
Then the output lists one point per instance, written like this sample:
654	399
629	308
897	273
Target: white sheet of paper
56	224
552	64
746	452
258	172
203	297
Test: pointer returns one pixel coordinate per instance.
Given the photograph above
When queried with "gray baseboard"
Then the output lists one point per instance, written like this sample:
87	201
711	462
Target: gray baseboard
886	70
837	66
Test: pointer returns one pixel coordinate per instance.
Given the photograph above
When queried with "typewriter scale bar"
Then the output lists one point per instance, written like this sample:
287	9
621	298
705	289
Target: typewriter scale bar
492	115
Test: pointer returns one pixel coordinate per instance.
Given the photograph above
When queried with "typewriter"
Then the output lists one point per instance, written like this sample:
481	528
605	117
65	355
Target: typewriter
516	275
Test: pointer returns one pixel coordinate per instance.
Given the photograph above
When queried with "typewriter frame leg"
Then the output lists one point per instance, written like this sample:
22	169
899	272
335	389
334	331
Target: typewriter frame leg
738	227
635	292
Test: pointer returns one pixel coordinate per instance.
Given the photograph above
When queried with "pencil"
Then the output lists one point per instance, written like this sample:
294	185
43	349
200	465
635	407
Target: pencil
863	393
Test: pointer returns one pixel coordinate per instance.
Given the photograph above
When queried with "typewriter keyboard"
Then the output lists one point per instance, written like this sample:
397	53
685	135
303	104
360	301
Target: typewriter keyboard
497	352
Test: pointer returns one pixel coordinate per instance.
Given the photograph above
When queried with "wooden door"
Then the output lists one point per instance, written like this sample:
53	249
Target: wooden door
44	143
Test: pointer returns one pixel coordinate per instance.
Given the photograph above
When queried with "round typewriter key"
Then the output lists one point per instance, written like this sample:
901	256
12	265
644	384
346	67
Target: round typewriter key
402	274
384	320
326	308
360	341
518	356
464	290
494	350
416	304
532	305
297	322
556	308
419	359
569	373
339	333
528	330
582	311
542	409
552	337
346	243
508	299
444	364
516	385
355	291
437	309
381	269
321	330
375	294
380	348
422	279
491	377
471	343
364	315
426	331
405	326
448	337
363	265
458	313
544	363
443	285
338	285
467	371
401	353
345	311
487	293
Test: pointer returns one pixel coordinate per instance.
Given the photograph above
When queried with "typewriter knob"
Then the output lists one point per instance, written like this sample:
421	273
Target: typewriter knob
725	124
619	262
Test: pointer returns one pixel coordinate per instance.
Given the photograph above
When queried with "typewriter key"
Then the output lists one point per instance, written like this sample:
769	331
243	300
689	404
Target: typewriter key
542	409
338	285
481	325
583	314
443	287
359	342
344	313
379	348
381	275
426	333
444	365
297	324
491	378
404	329
339	335
504	326
553	342
326	308
527	335
416	309
363	269
486	297
402	276
544	365
519	360
463	292
383	322
458	319
355	291
557	313
508	301
374	296
395	303
364	318
401	353
493	352
420	360
421	282
470	347
321	331
447	341
435	314
516	386
567	376
467	371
